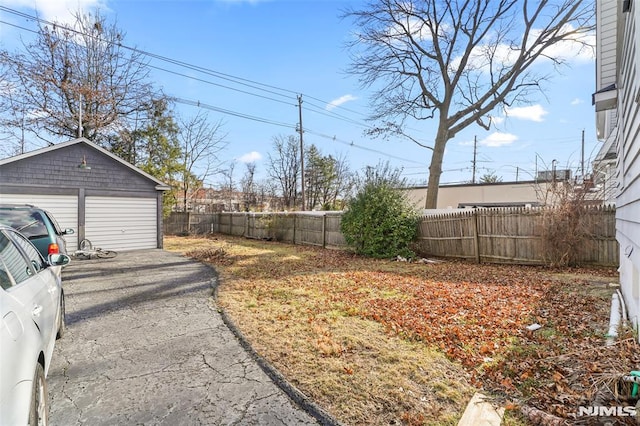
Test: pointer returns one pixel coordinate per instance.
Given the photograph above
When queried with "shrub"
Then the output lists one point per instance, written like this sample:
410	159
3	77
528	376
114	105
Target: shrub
567	224
379	222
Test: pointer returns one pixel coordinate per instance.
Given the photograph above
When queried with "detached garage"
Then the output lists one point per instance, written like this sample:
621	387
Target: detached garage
101	197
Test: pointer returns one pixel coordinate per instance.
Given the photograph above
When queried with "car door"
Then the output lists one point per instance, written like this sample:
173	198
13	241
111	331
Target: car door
20	345
36	288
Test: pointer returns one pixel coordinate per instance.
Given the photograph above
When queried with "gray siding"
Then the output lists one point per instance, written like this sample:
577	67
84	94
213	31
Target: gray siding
54	172
58	169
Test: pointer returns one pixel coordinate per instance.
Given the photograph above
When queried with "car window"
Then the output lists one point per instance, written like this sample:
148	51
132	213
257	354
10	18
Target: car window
32	253
54	222
14	261
30	223
5	281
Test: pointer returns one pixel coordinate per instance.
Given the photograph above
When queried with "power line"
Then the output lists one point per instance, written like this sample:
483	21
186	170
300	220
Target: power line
238	80
230	112
175	62
364	148
271	89
219	85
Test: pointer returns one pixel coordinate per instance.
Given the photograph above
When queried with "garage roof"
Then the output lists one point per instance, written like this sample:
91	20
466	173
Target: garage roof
160	186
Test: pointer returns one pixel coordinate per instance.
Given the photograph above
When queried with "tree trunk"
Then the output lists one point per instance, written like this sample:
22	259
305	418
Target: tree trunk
435	168
184	199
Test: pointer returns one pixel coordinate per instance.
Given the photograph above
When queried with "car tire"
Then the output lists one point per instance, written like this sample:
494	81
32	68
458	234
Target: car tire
39	412
62	326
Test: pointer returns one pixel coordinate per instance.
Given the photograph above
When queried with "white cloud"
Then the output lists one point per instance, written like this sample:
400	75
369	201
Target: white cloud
56	10
579	49
532	113
497	120
577	101
250	157
497	139
341	100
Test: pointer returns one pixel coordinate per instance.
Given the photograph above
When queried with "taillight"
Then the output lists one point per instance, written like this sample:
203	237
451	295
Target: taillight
53	248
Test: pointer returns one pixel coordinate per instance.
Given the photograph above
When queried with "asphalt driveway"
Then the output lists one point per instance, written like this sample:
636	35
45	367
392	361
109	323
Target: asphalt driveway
145	344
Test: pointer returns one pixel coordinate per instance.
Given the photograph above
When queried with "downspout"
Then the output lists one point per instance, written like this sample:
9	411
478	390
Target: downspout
623	306
614	319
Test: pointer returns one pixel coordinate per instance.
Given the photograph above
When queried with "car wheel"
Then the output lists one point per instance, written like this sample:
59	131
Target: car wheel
62	326
39	413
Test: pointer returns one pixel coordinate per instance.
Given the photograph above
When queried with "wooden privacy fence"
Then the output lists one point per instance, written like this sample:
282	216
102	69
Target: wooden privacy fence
311	228
497	235
520	235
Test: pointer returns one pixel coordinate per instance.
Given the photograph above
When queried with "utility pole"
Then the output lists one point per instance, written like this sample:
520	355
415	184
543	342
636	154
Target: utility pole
475	151
301	151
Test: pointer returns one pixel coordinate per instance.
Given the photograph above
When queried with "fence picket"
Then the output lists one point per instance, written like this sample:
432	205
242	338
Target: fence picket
496	235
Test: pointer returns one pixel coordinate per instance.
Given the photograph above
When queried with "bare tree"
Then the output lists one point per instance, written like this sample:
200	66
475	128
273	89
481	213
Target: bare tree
73	75
284	167
228	184
457	61
343	184
200	142
248	185
266	196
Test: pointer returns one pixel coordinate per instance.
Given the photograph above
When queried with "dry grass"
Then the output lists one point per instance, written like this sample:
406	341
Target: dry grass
381	342
283	300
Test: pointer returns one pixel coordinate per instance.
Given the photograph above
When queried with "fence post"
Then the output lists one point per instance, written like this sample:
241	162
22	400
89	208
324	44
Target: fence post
476	238
324	230
295	216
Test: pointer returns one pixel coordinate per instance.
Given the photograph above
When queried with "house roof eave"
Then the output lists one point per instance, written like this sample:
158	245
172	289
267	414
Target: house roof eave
605	98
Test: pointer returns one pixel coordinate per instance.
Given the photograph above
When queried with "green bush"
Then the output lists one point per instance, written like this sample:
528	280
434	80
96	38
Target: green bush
379	222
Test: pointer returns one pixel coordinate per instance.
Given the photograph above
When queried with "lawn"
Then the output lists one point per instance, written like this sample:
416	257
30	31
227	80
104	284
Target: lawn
386	342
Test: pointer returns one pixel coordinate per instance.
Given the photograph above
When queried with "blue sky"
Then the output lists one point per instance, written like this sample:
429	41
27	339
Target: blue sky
282	48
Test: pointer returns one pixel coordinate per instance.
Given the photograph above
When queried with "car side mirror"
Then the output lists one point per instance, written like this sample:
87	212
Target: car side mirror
68	231
59	259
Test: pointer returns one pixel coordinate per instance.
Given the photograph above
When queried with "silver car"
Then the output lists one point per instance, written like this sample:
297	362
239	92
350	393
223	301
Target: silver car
32	312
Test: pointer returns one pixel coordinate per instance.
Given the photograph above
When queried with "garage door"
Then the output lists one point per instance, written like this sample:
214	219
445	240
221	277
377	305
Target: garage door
120	223
63	207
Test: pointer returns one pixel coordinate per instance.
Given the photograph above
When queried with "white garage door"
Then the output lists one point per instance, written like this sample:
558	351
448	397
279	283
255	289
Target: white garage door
120	223
63	207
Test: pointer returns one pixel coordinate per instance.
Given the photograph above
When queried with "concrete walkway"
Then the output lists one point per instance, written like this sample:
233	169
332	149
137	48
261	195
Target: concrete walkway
146	345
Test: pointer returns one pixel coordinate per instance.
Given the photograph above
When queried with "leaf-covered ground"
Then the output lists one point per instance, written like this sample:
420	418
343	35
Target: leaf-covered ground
384	342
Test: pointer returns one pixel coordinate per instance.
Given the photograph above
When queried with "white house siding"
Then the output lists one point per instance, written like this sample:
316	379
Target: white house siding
628	151
64	209
121	223
606	43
